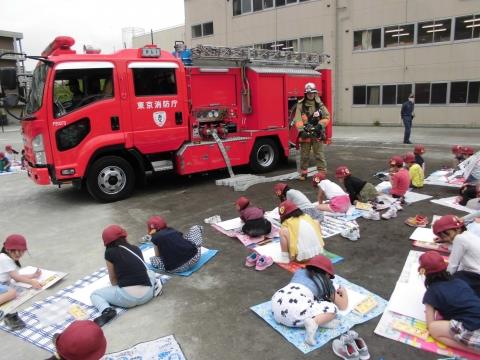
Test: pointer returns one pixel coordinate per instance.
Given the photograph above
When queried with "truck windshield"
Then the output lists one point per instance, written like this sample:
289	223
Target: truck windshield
35	97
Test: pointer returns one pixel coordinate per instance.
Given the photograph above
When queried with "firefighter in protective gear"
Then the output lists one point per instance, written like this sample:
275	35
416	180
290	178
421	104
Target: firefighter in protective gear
311	120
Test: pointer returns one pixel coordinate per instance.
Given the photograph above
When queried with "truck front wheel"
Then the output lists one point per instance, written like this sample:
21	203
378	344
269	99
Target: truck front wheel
110	178
264	156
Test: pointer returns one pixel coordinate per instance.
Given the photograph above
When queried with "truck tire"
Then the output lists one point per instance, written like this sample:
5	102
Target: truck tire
264	156
111	178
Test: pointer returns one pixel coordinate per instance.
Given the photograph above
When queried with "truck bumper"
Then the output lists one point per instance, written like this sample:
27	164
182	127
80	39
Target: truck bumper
39	175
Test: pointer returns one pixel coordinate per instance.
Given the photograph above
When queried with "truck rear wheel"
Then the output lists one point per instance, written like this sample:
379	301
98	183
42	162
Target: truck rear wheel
264	156
110	178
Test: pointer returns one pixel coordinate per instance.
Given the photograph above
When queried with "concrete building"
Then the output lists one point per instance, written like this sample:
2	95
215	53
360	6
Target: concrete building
381	51
164	38
10	42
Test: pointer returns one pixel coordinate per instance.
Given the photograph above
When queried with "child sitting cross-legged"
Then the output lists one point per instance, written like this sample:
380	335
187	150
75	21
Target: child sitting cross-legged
453	301
415	171
310	299
419	150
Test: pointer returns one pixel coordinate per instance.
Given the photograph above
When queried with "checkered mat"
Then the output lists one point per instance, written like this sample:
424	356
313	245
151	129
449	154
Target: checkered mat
162	348
207	255
296	336
48	317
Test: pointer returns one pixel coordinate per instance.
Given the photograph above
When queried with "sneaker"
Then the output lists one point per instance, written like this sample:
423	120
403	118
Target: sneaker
417	221
359	344
352	232
145	239
390	213
397	205
158	289
107	315
343	348
381	206
263	262
13	321
251	260
371	215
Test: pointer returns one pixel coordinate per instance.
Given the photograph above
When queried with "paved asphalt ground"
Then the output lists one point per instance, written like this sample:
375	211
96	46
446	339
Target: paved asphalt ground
208	312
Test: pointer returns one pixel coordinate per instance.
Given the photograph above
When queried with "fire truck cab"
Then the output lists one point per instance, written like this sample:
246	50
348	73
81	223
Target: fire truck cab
105	121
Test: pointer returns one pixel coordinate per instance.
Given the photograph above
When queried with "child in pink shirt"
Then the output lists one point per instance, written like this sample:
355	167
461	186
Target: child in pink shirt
399	177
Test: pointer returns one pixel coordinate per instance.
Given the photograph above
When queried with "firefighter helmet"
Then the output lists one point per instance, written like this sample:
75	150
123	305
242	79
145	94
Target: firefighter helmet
310	88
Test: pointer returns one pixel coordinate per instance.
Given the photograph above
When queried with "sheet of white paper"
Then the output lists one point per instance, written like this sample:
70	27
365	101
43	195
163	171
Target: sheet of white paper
83	294
451	202
354	298
384	186
45	275
231	224
407	300
411	197
273	250
273	214
423	234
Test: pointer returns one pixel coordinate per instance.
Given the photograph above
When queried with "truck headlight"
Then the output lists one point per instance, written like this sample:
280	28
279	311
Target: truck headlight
40	158
37	143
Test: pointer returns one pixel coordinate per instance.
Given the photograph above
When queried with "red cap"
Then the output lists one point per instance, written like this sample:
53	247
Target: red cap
456	149
81	340
279	188
156	222
467	150
432	262
409	157
396	161
2	154
112	233
15	242
447	222
342	171
285	208
317	178
323	263
419	149
8	147
242	202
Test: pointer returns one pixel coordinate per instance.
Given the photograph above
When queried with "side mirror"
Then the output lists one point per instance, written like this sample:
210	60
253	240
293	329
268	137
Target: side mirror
10	100
8	78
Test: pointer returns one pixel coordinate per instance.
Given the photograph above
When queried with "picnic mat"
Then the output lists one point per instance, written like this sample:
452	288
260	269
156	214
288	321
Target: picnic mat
443	178
404	317
451	203
163	348
25	291
50	316
246	240
206	256
296	336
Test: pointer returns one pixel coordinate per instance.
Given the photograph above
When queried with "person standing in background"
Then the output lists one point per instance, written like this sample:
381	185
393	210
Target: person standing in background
407	114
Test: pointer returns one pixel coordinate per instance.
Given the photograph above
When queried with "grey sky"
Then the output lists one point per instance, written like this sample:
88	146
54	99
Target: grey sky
93	22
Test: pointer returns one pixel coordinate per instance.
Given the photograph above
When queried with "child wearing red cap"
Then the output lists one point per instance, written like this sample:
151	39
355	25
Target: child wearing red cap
300	235
399	177
454	300
415	171
255	223
328	190
174	251
13	249
5	163
471	166
358	190
419	150
310	299
284	192
458	154
132	283
11	152
81	340
464	259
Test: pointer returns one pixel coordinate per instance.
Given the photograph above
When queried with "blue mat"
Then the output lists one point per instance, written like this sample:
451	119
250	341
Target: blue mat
206	257
39	331
296	336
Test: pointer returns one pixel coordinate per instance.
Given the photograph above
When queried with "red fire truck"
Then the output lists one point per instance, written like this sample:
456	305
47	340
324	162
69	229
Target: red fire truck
106	121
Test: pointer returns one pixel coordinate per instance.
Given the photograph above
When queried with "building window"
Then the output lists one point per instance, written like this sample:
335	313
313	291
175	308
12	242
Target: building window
439	93
373	95
367	39
458	92
422	93
359	95
204	29
279	2
389	94
467	27
434	31
291	1
474	92
398	35
311	44
403	92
